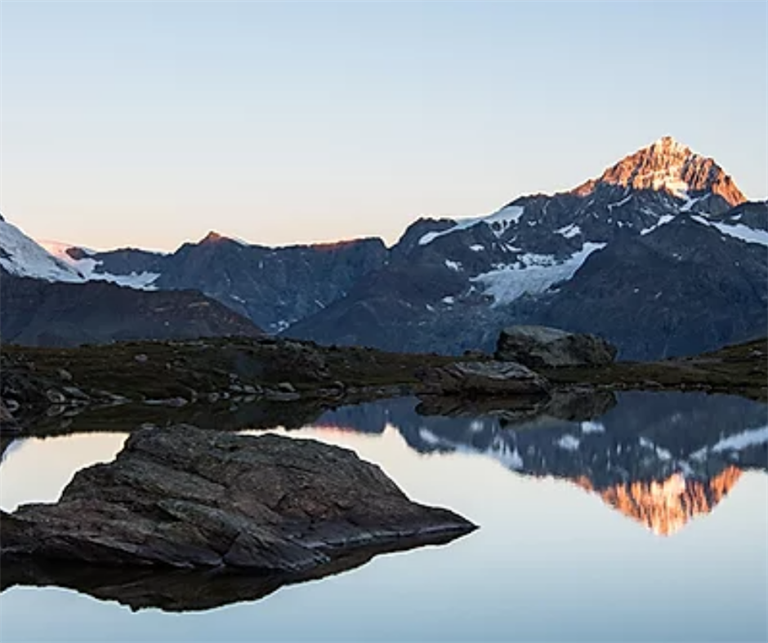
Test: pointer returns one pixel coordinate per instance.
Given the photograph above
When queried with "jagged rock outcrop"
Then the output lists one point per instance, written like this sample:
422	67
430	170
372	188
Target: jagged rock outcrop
669	166
184	497
543	347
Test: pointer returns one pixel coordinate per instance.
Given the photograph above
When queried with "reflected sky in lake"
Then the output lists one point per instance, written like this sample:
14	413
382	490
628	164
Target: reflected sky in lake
551	560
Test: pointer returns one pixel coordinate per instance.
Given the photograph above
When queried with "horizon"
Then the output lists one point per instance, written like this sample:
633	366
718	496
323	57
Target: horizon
64	243
285	126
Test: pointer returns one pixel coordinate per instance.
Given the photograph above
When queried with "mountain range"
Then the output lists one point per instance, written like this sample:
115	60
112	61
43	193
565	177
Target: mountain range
661	254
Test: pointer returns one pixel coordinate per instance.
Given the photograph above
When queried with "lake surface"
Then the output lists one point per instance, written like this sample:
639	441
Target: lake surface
646	523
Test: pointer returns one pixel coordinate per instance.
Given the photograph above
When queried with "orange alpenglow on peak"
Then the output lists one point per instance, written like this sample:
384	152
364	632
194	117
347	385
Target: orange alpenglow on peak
669	166
665	506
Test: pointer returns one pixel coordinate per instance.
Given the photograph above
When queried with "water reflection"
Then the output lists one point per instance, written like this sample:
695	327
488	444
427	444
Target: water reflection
184	590
659	458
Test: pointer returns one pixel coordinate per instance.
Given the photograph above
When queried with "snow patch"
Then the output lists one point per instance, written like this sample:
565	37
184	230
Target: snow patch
499	449
663	220
738	231
477	247
592	427
498	222
24	257
618	204
453	265
136	280
569	231
568	442
742	440
448	300
532	274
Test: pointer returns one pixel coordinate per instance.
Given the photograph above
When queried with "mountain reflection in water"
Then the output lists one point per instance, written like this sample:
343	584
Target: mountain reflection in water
659	458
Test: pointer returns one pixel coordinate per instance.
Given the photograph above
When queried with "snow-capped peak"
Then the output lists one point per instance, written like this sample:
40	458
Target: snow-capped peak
24	257
669	166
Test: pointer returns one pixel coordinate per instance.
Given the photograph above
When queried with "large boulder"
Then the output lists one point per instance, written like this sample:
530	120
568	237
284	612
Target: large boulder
544	347
482	378
185	497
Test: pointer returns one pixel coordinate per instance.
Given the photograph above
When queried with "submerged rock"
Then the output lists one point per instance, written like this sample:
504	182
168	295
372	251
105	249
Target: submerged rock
544	347
189	498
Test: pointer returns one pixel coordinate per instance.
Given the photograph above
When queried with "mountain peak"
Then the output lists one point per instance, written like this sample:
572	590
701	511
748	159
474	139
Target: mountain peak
667	165
214	237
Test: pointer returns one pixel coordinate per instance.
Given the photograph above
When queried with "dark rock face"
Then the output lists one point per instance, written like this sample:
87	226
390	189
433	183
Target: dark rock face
543	347
39	313
483	378
184	497
467	281
680	290
274	287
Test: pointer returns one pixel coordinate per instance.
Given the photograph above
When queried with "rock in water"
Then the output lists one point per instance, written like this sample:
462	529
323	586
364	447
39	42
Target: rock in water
185	497
544	347
483	378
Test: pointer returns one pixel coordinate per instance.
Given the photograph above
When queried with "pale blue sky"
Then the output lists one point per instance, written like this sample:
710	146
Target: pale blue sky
150	123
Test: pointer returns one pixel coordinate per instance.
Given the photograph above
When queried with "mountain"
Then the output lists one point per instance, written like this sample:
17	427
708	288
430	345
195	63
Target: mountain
682	289
35	312
661	254
47	300
23	257
274	287
583	260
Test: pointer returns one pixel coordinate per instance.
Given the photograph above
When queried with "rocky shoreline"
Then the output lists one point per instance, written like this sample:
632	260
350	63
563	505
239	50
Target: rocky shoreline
258	380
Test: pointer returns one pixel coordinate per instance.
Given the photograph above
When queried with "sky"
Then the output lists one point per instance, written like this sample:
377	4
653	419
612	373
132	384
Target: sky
150	123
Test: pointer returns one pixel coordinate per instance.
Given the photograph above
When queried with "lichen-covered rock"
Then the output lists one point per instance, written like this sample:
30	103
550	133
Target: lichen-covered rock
185	497
544	347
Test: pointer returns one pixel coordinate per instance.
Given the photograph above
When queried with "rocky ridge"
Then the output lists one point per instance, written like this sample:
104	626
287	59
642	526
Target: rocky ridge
452	285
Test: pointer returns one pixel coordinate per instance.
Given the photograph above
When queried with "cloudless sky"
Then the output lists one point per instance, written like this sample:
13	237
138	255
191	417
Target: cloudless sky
150	123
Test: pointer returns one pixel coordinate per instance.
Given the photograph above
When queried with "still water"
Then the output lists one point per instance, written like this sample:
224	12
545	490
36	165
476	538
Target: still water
648	522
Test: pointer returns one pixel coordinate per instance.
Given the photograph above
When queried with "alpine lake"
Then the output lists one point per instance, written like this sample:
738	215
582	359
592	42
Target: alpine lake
648	521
